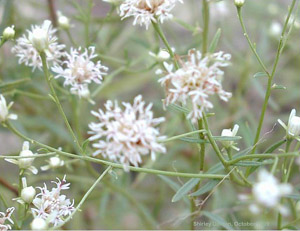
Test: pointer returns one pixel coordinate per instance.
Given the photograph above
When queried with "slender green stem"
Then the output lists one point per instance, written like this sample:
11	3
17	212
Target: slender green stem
24	157
83	199
71	38
205	13
57	102
202	146
115	165
183	135
165	41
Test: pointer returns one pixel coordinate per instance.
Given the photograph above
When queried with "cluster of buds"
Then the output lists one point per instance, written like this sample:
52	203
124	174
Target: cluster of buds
230	133
293	126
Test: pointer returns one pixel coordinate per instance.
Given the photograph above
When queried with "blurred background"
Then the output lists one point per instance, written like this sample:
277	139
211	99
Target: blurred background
135	201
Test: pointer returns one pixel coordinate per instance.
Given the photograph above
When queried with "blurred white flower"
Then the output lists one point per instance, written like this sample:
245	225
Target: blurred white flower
239	3
4	110
275	29
293	127
39	224
147	11
25	163
230	132
39	38
162	55
125	135
27	193
80	70
267	193
52	206
63	21
53	162
197	79
6	216
219	10
9	33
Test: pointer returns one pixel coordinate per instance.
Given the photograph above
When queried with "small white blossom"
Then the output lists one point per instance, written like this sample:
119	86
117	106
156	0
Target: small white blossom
147	11
293	127
4	110
63	21
25	163
197	79
6	216
80	70
27	193
239	3
9	33
275	29
162	55
53	162
267	193
231	133
51	205
39	38
39	224
125	135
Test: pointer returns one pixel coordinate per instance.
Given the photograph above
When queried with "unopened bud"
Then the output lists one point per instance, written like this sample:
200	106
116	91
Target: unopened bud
8	33
239	3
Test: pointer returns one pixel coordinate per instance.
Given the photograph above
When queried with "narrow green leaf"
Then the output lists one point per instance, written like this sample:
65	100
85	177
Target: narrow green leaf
12	85
260	74
218	138
280	87
218	220
184	190
253	163
215	41
205	188
178	108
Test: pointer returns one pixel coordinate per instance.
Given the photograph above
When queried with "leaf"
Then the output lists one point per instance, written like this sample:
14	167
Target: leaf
178	108
184	24
215	41
260	74
218	138
205	188
193	140
218	220
280	87
253	163
85	145
184	190
12	85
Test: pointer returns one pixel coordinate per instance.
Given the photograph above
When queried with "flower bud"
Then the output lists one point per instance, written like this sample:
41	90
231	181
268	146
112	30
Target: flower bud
9	33
163	55
55	162
239	3
25	162
294	126
27	194
63	21
39	224
229	132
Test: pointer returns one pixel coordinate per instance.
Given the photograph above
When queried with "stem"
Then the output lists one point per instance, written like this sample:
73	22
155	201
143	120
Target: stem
83	198
165	41
57	102
71	38
205	13
202	146
115	165
183	135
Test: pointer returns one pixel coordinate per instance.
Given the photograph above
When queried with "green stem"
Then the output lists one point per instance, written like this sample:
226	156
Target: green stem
205	13
182	135
165	41
115	165
83	198
57	102
71	38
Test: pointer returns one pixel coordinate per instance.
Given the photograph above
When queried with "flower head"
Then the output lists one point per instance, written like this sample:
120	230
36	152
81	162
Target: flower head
239	3
4	110
53	162
125	135
80	70
162	55
230	132
293	127
39	38
147	11
63	21
39	224
27	193
197	79
6	216
9	33
25	163
51	205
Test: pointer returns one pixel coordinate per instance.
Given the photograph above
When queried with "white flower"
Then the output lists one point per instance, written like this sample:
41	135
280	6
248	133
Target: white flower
52	206
4	110
125	135
9	33
162	55
54	162
229	132
147	11
275	29
39	224
63	21
197	79
6	216
80	70
40	38
27	193
293	127
239	3
25	163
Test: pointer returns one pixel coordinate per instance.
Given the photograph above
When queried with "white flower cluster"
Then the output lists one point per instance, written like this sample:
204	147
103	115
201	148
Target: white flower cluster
52	206
4	110
197	79
125	135
39	38
6	216
80	71
267	192
147	11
